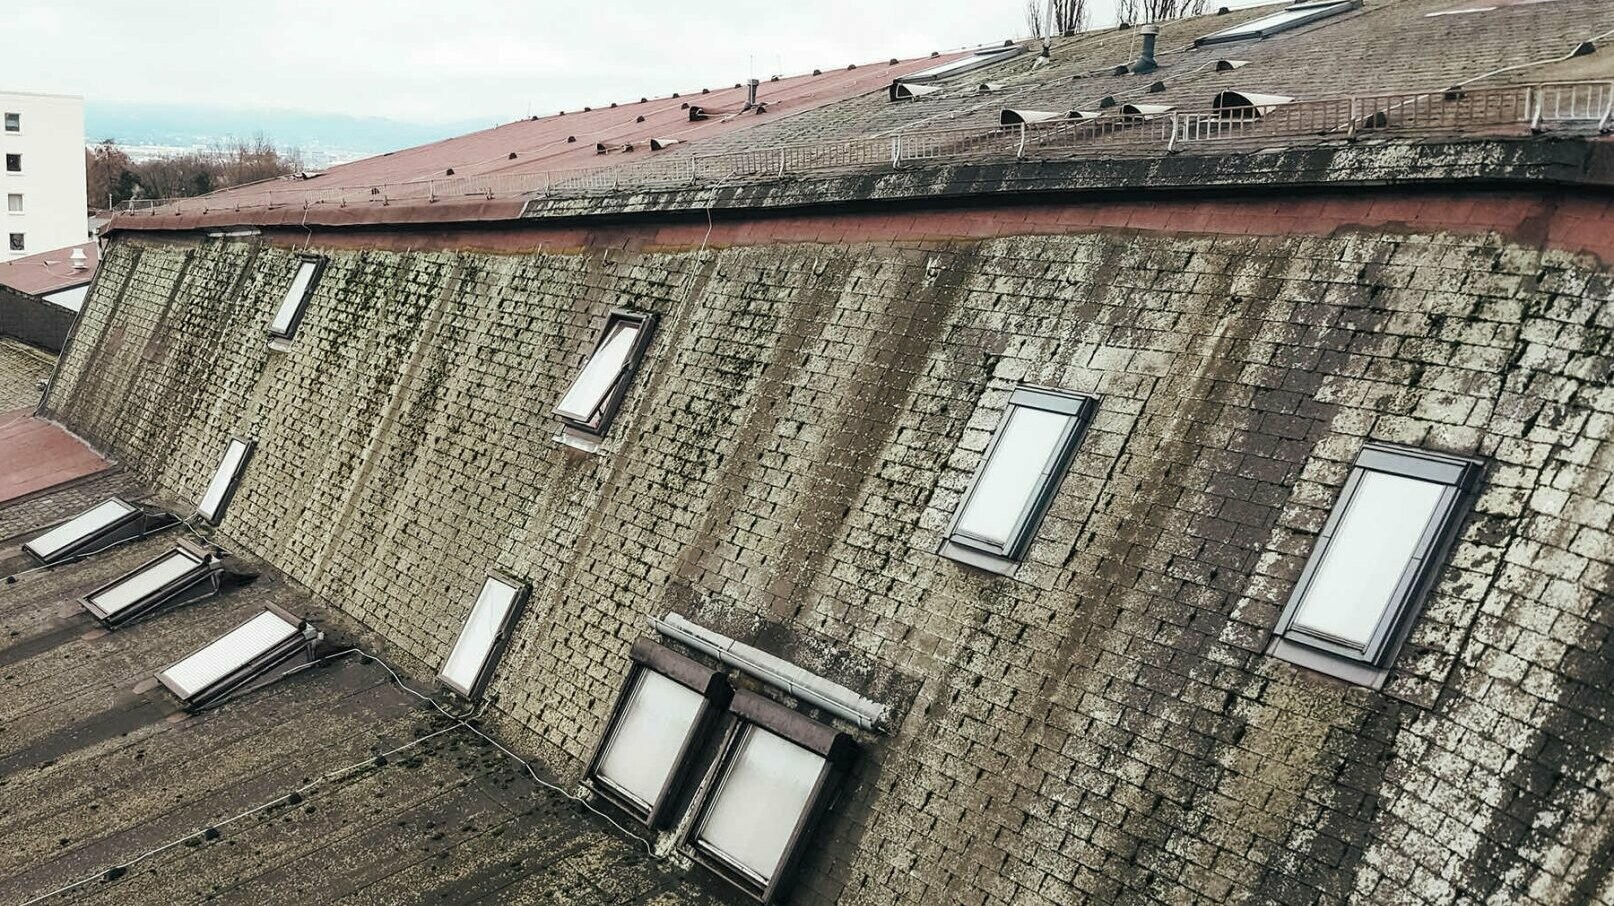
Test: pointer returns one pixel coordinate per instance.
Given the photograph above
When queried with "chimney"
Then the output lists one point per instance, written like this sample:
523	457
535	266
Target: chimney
1146	62
751	94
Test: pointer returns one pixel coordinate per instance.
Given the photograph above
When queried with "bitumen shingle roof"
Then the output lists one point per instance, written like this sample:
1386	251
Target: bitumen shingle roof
99	765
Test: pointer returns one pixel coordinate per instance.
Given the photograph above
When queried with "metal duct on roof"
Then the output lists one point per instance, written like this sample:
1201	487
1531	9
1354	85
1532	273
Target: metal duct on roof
1246	105
1146	111
1230	65
1018	117
656	144
902	91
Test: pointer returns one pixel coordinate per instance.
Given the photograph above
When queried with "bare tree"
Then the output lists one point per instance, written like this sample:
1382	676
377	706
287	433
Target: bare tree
1047	18
1135	11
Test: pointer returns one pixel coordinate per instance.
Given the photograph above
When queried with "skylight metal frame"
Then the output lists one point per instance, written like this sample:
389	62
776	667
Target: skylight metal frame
228	493
301	303
612	401
260	663
1369	664
752	712
501	638
1004	557
715	692
1281	21
205	568
129	525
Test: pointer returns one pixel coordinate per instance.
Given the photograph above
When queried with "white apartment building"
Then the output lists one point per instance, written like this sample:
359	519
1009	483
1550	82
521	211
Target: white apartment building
42	177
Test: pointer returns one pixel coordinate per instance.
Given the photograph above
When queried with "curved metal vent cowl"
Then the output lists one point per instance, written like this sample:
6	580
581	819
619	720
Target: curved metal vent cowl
1018	117
1247	105
905	91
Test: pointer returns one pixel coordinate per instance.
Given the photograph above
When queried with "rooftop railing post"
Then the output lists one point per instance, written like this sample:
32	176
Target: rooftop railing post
1020	150
1171	143
1608	110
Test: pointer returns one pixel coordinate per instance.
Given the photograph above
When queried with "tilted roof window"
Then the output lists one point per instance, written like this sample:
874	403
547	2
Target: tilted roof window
151	584
239	656
777	775
290	313
667	707
482	638
906	87
1375	561
596	394
106	523
222	488
1283	20
1018	477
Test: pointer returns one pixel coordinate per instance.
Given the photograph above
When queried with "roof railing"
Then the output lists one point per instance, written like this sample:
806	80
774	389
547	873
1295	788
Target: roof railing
1456	111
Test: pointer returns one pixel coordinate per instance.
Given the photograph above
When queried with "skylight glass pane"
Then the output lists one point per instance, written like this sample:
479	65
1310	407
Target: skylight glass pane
649	735
1370	550
295	296
1021	459
223	479
464	665
229	653
962	64
587	394
764	791
137	585
1276	21
79	527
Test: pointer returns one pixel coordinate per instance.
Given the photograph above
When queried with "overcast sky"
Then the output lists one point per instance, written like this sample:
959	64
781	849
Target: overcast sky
455	60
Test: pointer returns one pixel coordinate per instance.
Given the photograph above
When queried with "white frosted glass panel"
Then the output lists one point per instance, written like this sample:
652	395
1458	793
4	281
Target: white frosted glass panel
137	585
222	479
588	392
229	652
290	305
645	743
83	525
762	796
476	637
1364	561
1023	455
1256	26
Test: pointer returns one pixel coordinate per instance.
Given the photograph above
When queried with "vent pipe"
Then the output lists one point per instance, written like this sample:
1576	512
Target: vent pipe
1146	61
751	93
79	259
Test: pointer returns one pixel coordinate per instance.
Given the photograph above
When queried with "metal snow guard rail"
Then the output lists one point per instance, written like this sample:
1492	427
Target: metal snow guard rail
1119	130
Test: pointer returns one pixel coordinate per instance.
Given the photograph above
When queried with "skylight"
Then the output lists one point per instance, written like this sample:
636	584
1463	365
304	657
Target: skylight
906	87
93	529
596	393
470	663
149	585
1374	560
1283	20
234	658
1017	477
290	313
219	491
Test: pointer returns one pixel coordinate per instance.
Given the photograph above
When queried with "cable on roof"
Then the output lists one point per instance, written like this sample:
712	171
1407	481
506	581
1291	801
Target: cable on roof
1577	51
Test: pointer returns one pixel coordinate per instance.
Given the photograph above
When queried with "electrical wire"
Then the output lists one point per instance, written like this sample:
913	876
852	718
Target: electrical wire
460	722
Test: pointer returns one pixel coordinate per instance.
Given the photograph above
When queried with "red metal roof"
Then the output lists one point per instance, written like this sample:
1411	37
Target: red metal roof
49	272
564	141
40	455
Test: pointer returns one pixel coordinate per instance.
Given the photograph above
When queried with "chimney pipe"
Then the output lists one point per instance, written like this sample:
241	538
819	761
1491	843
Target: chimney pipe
1146	62
751	94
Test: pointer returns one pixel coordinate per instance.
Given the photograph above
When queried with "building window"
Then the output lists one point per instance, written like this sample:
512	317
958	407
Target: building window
778	773
150	585
290	312
14	202
596	394
482	637
1017	478
13	163
13	122
666	709
219	491
101	525
235	658
18	243
1374	561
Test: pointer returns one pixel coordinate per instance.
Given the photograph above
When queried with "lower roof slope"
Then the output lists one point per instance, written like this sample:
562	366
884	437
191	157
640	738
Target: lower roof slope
98	765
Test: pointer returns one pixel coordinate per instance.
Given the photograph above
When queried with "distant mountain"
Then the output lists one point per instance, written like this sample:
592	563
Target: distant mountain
322	137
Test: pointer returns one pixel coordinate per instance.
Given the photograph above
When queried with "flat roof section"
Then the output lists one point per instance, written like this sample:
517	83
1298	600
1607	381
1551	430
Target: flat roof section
36	454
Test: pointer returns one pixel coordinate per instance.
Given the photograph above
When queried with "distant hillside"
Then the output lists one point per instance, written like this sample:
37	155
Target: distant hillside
317	134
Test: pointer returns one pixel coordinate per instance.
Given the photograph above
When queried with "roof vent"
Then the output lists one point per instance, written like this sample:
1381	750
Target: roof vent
1086	114
1157	87
1145	111
599	148
696	113
512	155
657	144
1247	105
989	87
902	91
1230	65
751	93
640	119
1106	103
1146	61
79	259
1022	117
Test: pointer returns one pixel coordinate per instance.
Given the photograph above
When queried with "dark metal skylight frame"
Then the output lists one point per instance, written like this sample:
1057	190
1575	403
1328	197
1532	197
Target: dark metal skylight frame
752	713
1367	662
154	584
1292	17
107	523
230	662
494	586
1002	555
712	686
221	488
288	315
595	414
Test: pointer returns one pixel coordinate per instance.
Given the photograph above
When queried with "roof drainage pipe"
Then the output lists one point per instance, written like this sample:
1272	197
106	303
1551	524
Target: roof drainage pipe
777	672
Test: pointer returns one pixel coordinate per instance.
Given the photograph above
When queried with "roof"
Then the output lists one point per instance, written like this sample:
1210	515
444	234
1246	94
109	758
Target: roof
1362	52
101	767
49	272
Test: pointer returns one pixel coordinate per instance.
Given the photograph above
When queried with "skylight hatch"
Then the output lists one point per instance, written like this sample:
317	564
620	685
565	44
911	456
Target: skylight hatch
151	584
222	488
239	656
1294	17
476	651
596	393
108	522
